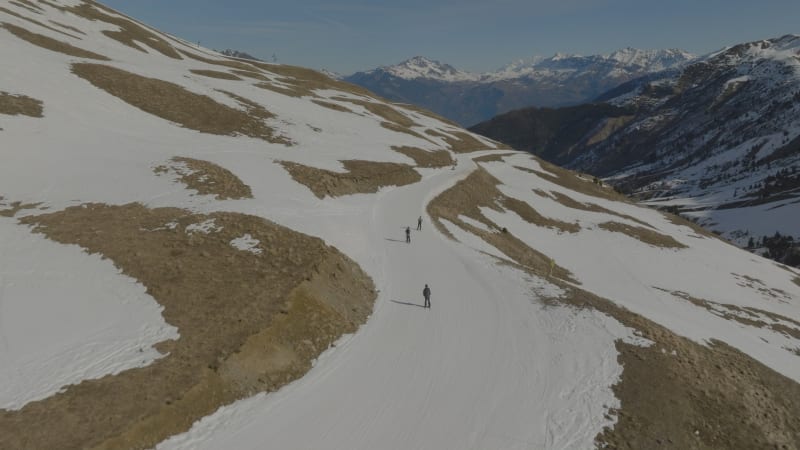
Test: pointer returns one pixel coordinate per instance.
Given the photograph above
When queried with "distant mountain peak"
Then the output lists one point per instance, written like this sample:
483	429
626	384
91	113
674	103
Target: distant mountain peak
422	67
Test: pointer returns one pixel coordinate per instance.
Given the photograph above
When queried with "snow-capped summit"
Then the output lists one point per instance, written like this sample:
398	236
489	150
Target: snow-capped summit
422	67
469	98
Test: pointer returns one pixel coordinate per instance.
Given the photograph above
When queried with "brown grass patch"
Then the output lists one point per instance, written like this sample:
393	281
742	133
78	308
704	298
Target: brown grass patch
36	22
207	178
130	33
20	104
746	315
215	74
796	280
462	142
426	158
248	323
680	221
334	106
683	395
176	104
479	190
25	4
51	44
67	27
494	157
13	208
401	129
648	236
382	110
310	80
362	177
574	181
430	114
250	74
232	63
569	202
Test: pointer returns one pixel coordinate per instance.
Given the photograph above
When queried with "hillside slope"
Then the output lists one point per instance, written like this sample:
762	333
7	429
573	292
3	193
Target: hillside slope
717	141
203	252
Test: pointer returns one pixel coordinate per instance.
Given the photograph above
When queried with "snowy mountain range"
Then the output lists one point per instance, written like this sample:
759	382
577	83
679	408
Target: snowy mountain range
205	252
468	98
718	140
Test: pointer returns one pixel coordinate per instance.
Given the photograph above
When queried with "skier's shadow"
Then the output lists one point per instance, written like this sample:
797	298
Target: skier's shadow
395	240
408	304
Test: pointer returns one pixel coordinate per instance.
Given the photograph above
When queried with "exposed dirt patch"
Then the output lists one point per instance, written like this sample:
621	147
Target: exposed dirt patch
648	236
35	22
176	104
479	190
255	110
11	209
362	177
232	63
574	181
383	111
67	27
248	322
430	114
796	280
130	33
250	74
676	393
401	129
749	316
207	178
758	285
680	221
308	80
462	142
25	4
426	158
215	74
569	202
20	104
334	106
495	157
51	44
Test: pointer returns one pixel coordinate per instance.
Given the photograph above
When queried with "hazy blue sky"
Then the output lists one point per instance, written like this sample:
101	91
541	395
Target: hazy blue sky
351	35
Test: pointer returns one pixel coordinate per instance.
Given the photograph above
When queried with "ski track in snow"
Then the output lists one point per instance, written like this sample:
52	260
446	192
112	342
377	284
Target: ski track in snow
486	367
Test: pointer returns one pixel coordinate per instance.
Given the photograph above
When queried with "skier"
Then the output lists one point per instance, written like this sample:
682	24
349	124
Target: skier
408	235
427	294
419	223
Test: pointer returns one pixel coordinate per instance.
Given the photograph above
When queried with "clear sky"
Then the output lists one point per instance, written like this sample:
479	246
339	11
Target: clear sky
351	35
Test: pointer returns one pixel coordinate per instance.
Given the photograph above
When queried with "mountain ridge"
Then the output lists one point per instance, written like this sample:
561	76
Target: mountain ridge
470	98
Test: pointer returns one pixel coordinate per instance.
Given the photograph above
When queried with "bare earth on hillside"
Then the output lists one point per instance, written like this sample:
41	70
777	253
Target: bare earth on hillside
362	177
250	320
648	236
51	44
20	104
426	158
206	178
675	393
176	104
479	190
215	74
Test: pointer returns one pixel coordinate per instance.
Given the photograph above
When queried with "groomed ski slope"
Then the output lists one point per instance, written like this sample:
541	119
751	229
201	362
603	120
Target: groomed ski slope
488	366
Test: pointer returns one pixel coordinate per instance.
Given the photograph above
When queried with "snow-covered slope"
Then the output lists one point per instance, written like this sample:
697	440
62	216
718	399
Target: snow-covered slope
242	200
469	98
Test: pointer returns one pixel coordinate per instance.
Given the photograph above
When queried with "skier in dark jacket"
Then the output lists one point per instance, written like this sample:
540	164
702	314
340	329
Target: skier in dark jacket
427	294
408	235
419	223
